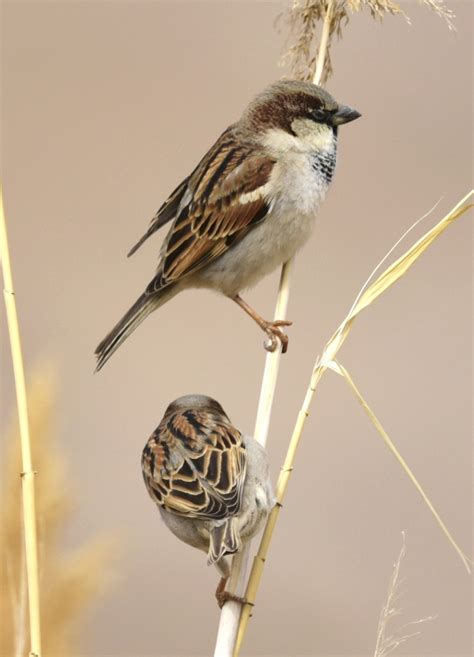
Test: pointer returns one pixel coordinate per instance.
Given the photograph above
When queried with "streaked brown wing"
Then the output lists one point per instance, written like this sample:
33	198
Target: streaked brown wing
228	198
194	465
169	209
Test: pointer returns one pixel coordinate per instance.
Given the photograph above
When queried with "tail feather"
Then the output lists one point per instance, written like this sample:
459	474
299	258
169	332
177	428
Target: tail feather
142	307
142	239
224	539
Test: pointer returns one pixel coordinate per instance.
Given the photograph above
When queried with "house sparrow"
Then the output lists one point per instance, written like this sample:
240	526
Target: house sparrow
247	207
211	483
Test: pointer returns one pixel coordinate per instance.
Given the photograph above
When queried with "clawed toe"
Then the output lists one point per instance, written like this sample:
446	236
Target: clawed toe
275	335
225	596
272	329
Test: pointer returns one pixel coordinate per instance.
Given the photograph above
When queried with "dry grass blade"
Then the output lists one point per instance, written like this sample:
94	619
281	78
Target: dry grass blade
69	582
390	276
387	643
339	369
381	284
302	19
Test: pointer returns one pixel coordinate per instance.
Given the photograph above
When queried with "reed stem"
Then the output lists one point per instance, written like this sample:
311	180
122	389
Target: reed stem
323	46
230	614
27	474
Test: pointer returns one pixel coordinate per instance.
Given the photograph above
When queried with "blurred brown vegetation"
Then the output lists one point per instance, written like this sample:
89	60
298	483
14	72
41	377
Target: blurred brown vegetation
70	582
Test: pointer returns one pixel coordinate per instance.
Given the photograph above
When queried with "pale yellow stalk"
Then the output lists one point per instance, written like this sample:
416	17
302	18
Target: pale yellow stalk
230	614
27	474
323	46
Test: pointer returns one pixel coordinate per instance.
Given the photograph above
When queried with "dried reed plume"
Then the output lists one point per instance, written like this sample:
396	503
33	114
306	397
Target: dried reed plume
302	19
386	642
69	583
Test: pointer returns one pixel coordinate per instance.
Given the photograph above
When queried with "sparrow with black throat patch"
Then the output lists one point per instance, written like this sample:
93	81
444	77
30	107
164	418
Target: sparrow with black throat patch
211	484
248	206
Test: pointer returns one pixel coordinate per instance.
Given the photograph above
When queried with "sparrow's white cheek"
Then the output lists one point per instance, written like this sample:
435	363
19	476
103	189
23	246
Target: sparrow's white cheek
315	136
309	137
277	141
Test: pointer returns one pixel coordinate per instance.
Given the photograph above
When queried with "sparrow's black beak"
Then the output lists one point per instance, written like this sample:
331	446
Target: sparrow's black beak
344	114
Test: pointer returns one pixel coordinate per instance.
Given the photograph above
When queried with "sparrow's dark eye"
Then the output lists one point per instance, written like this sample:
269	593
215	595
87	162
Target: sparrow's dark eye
319	114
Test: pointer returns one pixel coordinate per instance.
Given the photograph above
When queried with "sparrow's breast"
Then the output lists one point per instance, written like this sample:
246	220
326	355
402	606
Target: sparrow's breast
301	181
297	187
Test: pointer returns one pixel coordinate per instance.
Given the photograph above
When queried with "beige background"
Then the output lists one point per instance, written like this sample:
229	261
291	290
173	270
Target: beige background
106	106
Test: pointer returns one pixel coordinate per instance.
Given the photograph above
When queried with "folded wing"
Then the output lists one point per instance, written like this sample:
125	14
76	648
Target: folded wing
194	465
224	197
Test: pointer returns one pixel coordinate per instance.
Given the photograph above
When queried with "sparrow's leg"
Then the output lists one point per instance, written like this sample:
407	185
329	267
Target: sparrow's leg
272	329
223	596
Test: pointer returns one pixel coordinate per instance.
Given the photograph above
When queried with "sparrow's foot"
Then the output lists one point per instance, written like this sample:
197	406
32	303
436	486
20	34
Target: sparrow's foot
272	329
276	334
224	596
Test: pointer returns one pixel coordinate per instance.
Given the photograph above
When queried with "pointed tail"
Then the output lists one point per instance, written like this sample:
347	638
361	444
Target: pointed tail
224	539
142	307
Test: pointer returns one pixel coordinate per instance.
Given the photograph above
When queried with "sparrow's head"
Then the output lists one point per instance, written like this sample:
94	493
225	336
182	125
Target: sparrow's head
299	109
194	403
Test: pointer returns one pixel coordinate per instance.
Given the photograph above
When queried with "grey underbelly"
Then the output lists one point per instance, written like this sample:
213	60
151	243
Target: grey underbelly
195	532
261	251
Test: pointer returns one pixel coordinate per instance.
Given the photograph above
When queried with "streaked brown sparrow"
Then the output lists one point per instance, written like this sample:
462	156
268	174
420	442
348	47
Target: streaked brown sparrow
211	483
247	207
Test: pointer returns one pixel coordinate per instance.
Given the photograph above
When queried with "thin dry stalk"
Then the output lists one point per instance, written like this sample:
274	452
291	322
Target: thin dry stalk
387	643
27	473
367	296
230	614
339	369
